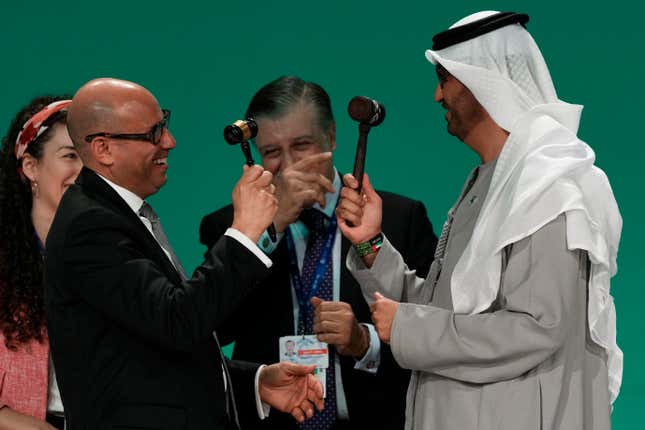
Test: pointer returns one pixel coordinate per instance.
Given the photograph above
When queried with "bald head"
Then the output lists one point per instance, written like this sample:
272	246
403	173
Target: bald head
121	116
104	105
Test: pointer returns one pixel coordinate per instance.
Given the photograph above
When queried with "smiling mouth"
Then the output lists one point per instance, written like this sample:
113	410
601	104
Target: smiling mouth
161	161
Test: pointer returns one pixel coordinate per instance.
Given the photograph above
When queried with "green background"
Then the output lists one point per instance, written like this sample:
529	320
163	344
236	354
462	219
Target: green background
204	60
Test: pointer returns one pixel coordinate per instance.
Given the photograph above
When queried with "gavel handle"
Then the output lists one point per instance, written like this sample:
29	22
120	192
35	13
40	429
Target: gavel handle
361	151
359	161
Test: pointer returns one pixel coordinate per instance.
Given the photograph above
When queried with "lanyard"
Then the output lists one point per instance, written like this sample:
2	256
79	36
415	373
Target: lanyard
302	293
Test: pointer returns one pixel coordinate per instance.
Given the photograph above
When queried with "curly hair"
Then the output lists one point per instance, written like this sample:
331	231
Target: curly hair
22	308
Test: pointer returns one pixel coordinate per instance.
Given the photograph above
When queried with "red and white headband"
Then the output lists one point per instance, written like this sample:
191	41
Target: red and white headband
34	126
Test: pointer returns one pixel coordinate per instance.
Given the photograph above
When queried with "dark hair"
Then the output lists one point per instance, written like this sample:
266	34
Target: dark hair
22	309
278	96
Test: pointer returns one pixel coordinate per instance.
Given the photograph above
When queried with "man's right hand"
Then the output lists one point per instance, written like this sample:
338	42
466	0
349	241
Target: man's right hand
336	324
364	211
300	186
254	202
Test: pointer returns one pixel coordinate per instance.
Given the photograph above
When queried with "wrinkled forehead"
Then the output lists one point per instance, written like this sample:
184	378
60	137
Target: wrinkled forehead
145	112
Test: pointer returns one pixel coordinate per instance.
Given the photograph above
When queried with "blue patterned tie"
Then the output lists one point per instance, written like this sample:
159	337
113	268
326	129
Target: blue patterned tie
316	223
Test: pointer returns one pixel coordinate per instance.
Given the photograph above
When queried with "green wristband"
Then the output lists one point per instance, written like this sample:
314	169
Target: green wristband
369	247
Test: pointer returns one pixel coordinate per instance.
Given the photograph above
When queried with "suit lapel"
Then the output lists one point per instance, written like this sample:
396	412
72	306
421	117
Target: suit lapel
99	190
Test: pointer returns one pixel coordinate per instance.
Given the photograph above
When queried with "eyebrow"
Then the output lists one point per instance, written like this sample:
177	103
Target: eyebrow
66	147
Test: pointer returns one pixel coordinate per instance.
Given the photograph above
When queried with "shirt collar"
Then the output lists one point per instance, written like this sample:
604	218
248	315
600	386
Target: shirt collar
134	201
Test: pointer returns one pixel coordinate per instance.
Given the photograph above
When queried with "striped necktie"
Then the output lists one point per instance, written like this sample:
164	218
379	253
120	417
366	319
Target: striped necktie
147	212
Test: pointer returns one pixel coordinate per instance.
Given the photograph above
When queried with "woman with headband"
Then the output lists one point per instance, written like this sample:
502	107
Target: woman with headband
37	164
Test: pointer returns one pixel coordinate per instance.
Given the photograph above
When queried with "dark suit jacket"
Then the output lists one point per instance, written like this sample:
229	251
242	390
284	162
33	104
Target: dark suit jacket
132	343
373	401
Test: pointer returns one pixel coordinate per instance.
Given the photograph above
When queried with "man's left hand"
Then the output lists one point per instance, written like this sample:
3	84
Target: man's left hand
335	323
291	388
383	312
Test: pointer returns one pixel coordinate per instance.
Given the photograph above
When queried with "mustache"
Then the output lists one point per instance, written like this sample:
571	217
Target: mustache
161	154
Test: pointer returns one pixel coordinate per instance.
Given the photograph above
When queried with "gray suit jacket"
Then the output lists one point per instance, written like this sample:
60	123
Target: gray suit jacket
525	363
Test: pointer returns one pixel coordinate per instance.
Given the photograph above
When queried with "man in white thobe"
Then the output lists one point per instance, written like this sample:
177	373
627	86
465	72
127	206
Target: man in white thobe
514	327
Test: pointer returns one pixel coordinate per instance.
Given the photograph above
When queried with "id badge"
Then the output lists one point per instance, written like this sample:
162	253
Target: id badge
306	350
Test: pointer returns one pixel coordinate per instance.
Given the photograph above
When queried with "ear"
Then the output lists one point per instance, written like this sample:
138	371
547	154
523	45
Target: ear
30	167
331	136
101	151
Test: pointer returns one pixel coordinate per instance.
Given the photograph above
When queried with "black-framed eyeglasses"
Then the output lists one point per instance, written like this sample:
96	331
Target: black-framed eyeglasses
153	136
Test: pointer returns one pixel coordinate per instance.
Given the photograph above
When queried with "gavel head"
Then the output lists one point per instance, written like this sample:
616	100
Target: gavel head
366	111
240	131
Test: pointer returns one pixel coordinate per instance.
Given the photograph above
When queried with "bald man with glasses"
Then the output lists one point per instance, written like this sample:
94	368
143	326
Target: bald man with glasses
133	335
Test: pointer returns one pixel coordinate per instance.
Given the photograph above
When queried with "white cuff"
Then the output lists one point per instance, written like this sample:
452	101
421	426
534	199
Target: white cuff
262	408
372	358
248	243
